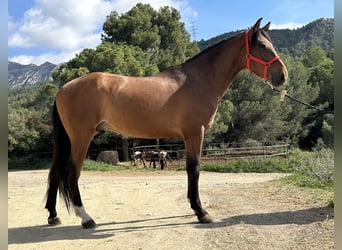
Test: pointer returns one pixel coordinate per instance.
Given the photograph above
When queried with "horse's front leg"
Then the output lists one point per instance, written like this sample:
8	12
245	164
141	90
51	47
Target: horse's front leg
192	168
193	148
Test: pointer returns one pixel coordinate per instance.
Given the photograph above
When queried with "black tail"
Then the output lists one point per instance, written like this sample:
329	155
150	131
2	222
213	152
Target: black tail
62	172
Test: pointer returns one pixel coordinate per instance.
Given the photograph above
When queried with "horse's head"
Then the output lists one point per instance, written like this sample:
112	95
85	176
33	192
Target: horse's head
261	57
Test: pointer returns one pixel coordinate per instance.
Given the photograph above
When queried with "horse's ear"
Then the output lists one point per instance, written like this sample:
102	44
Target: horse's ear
256	25
267	26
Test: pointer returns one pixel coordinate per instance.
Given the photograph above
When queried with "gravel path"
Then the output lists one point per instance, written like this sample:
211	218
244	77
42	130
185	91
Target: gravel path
149	210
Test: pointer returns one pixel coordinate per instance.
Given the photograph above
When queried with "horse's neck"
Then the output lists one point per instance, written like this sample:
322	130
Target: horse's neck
219	65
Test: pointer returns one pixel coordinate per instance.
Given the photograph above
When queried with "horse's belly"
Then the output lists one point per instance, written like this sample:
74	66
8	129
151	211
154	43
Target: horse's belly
144	127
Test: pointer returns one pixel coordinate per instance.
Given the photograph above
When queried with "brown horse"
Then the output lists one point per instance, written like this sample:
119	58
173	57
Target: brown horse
155	156
189	93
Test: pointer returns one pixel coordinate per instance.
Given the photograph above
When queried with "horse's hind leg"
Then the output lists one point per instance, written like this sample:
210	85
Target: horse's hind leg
78	152
51	200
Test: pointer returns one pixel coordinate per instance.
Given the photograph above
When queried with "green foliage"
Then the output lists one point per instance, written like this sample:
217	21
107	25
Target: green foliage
320	127
314	56
34	162
328	131
107	57
222	120
293	42
308	169
258	114
29	123
140	42
90	165
28	162
268	165
159	33
313	169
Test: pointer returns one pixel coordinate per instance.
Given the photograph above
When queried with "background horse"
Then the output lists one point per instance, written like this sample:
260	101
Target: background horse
155	156
152	156
189	93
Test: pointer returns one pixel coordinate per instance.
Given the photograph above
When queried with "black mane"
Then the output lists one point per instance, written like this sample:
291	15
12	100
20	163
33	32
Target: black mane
263	32
210	48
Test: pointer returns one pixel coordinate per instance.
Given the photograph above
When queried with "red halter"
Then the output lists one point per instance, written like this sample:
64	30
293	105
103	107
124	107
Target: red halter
250	57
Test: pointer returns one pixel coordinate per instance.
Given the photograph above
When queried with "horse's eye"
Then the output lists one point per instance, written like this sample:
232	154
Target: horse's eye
261	45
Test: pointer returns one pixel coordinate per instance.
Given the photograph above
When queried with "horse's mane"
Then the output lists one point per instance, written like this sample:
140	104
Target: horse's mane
264	33
210	48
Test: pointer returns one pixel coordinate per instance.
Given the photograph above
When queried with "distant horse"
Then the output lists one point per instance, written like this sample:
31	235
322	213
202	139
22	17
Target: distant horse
189	93
136	156
152	156
155	156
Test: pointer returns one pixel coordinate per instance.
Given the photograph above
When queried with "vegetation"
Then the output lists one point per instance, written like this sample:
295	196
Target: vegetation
296	42
140	42
268	165
29	122
144	41
313	169
308	169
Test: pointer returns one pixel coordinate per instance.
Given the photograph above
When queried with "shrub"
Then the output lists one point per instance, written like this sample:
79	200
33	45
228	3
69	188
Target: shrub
313	169
268	165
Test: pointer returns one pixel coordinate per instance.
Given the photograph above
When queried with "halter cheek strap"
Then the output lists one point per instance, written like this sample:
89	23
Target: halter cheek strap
250	57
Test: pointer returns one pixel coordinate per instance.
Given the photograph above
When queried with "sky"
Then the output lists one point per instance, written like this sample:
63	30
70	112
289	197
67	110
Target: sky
57	30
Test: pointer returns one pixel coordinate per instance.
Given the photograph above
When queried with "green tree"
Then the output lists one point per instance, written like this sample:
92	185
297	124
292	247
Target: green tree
257	113
314	56
320	127
107	57
255	116
221	122
140	42
29	121
160	33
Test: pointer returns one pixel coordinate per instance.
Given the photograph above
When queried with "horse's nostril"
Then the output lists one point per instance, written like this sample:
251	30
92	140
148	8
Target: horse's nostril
282	77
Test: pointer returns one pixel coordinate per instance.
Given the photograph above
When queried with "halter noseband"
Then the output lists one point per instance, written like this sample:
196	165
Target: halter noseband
250	57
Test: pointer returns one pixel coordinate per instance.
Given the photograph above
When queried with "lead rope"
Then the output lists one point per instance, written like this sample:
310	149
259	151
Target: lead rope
298	101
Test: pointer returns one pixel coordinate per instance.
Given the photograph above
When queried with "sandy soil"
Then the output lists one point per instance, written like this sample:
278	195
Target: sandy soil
149	210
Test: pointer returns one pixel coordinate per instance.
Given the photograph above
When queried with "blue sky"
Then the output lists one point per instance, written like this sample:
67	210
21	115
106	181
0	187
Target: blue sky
55	30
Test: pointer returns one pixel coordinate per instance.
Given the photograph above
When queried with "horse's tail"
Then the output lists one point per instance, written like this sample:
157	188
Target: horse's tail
62	172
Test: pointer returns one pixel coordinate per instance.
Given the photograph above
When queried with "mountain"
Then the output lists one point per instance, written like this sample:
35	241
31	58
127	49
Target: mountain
24	75
292	42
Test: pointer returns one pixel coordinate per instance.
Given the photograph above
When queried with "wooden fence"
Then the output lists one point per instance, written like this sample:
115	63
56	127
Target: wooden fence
217	154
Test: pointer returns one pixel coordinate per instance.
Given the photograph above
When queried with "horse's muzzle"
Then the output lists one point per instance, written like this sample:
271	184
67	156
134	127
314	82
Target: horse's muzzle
278	77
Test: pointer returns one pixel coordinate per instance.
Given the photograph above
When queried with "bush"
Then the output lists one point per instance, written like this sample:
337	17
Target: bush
313	169
268	165
28	162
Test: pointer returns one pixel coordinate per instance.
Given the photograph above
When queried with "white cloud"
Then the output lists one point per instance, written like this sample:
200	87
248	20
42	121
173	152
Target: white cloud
53	57
290	26
61	24
68	26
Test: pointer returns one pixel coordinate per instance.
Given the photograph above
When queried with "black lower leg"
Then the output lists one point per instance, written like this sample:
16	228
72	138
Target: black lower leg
51	204
192	167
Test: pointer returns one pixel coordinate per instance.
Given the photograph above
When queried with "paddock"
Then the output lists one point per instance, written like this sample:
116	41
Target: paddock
213	153
149	210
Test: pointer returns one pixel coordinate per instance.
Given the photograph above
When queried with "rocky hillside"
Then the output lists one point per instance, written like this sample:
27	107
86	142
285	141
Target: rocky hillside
292	42
24	75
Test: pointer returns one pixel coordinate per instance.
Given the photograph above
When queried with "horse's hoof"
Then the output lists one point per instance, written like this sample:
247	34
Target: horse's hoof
205	219
89	224
54	221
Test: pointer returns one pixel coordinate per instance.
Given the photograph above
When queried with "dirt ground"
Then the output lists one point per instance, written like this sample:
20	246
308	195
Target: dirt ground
149	210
